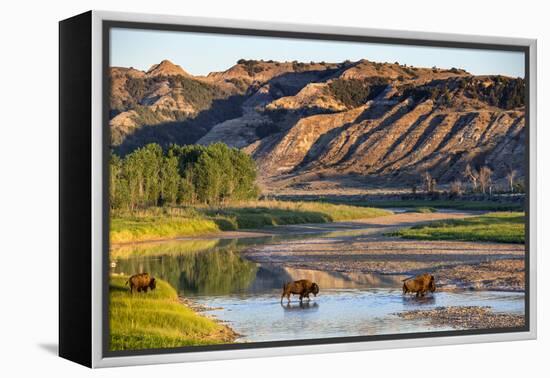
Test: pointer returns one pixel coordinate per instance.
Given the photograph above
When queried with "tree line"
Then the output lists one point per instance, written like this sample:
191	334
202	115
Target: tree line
481	181
151	176
505	93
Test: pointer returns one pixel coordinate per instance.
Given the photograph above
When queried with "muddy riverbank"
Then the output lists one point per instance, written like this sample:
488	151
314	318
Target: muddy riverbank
462	265
363	247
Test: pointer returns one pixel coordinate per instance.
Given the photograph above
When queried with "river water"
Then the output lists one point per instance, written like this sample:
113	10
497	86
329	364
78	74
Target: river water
246	295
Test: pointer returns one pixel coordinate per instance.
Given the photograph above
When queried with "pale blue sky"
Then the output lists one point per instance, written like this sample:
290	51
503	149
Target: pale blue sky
201	53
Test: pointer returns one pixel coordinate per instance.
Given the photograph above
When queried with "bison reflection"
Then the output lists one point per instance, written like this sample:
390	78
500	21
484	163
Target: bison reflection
141	282
301	306
419	285
301	287
414	301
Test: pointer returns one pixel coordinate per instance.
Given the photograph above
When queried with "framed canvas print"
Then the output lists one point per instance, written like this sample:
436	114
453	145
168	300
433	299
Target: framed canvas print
233	189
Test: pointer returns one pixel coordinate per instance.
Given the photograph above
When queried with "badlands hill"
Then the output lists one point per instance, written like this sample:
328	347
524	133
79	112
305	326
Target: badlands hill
345	125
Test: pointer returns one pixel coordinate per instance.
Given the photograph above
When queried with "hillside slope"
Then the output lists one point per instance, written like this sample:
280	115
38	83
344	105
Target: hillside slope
350	124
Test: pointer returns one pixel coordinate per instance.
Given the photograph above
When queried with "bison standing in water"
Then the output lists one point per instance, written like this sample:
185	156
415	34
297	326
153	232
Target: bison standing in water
302	288
419	284
141	282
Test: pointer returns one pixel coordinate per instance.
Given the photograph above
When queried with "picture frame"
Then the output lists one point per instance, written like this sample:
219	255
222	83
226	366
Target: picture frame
85	147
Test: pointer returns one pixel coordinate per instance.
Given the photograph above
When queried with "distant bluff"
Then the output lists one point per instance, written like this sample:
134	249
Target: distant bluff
365	123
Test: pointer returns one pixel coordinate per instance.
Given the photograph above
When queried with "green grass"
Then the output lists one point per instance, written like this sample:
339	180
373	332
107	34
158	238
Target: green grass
166	223
443	204
258	214
505	227
156	319
131	229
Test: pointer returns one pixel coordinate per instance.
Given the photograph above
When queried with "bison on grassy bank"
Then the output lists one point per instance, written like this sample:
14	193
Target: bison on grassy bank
141	282
301	287
419	284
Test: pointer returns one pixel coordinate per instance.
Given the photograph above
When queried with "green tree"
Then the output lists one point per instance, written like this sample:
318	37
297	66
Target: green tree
169	180
118	184
148	176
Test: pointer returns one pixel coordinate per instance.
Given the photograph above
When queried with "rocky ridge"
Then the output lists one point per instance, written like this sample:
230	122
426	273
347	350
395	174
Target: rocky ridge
363	123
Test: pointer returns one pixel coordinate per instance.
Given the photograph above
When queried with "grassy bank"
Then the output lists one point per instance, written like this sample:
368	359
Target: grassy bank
506	227
444	204
133	228
159	223
157	320
441	204
260	214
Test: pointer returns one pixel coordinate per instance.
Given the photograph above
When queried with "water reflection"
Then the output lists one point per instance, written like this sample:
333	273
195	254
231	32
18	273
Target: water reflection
216	267
190	267
429	299
163	248
312	306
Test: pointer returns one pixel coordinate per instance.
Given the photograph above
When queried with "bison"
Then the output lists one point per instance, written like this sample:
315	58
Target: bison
419	284
141	282
300	287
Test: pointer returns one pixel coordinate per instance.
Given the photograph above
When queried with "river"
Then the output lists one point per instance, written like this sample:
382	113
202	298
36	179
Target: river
244	291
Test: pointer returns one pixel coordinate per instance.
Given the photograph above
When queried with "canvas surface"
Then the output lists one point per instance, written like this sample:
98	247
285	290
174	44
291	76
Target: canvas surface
273	190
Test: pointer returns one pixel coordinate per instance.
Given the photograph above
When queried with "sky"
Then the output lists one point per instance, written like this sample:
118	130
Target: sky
201	53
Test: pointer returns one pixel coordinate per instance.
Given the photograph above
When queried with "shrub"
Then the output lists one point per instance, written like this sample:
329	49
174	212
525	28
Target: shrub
298	66
519	187
251	66
456	188
355	92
